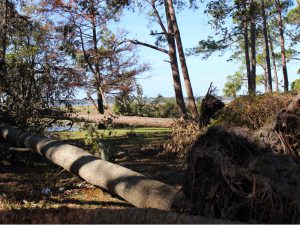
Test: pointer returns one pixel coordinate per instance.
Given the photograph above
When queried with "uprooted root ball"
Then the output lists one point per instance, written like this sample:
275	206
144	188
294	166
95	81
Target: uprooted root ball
229	177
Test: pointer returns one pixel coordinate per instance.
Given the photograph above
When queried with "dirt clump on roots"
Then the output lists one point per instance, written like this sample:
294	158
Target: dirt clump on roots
231	177
210	106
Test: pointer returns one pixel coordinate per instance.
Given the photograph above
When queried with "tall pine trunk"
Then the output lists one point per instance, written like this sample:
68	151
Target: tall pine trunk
267	50
168	33
274	63
174	66
246	46
100	104
184	68
97	67
4	34
253	47
282	46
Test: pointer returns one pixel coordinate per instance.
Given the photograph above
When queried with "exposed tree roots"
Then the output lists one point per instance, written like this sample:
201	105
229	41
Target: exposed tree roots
231	177
210	105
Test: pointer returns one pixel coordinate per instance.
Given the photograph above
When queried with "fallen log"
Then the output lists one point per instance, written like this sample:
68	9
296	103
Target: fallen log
102	216
132	121
109	118
139	190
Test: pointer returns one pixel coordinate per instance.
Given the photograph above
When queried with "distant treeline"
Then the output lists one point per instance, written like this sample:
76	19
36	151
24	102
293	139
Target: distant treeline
111	100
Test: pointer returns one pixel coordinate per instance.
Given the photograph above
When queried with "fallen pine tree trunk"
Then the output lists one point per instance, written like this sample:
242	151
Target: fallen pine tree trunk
102	216
139	190
132	121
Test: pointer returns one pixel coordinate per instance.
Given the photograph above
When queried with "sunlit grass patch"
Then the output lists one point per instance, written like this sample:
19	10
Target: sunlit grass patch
117	132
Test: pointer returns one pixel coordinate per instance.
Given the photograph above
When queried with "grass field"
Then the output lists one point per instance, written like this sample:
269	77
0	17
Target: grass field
85	109
117	132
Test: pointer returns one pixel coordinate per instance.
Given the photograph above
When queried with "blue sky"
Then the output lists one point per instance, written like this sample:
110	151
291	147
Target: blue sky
194	27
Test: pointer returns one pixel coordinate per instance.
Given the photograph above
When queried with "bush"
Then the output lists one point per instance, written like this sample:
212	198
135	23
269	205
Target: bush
253	111
184	134
93	139
140	106
249	111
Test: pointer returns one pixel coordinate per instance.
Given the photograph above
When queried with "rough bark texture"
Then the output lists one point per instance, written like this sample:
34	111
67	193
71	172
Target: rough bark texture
253	47
184	68
265	32
139	190
4	5
172	56
125	120
274	63
100	105
246	45
102	216
97	74
174	66
282	46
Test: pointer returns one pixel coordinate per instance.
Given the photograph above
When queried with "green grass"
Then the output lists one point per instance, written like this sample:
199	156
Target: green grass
85	109
117	133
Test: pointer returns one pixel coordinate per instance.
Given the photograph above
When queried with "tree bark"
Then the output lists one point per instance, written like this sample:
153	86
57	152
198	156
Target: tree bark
282	45
136	42
123	120
4	34
97	66
169	5
173	60
100	105
247	57
268	61
174	66
253	47
274	63
137	189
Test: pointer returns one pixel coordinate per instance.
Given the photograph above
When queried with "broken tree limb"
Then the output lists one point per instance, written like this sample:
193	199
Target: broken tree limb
137	189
